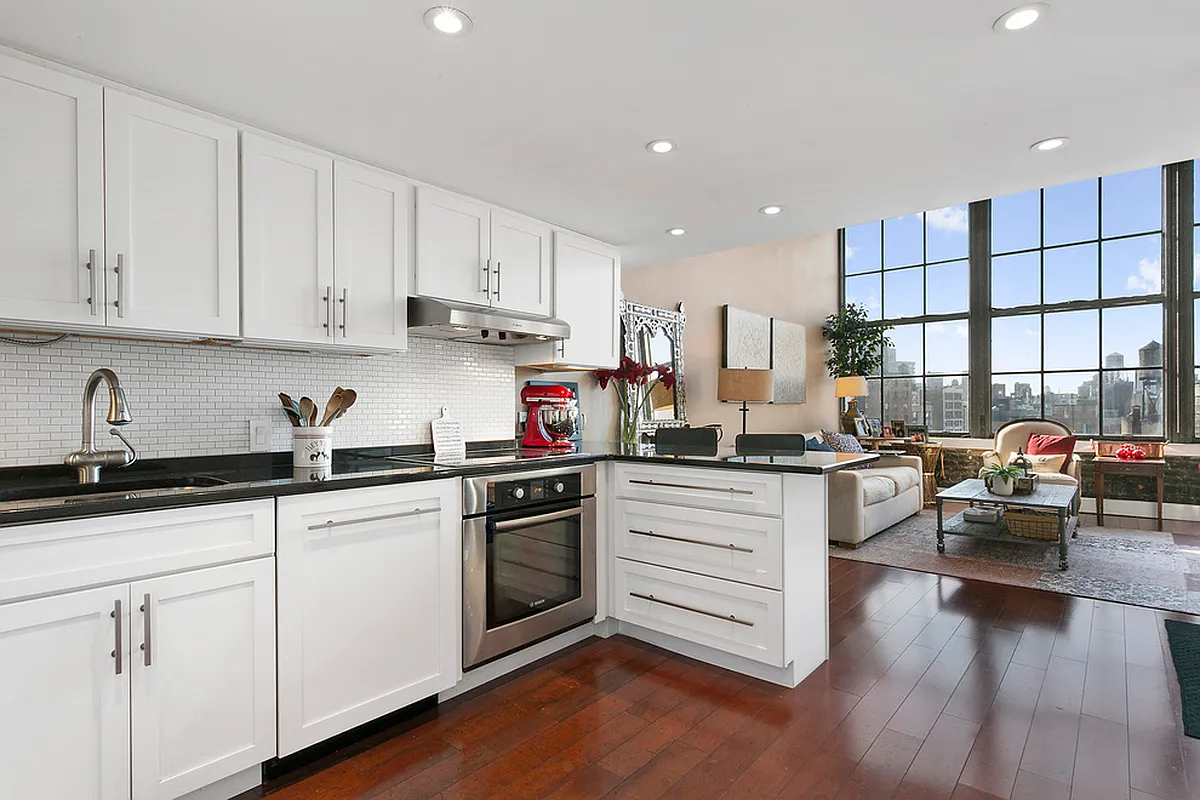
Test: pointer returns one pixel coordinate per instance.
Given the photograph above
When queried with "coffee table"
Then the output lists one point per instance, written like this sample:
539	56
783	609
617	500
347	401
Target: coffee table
1046	497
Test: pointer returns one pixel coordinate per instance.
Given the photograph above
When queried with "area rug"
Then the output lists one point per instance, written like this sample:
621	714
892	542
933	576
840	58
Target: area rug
1184	638
1143	568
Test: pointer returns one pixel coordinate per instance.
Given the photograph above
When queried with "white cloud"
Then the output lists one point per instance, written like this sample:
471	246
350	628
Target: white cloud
961	331
849	251
952	219
1147	279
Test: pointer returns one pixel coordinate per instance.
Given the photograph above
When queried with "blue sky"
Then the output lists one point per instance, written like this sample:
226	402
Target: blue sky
1072	216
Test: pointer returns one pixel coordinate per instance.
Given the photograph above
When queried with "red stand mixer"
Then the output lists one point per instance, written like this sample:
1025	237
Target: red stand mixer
553	416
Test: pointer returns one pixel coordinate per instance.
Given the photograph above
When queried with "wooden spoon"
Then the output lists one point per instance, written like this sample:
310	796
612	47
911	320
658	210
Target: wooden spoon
308	411
348	398
331	408
292	409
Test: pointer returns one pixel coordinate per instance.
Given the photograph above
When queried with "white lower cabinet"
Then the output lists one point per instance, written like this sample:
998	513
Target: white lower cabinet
153	686
368	605
732	617
203	672
64	705
169	681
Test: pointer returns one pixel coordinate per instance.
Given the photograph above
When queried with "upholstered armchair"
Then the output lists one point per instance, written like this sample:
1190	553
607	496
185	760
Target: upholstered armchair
1013	435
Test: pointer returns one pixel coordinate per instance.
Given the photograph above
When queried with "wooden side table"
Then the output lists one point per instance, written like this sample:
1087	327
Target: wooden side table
1150	467
931	460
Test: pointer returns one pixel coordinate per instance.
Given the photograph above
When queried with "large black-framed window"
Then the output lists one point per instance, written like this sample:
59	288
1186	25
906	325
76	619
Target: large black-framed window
913	271
1077	305
1083	299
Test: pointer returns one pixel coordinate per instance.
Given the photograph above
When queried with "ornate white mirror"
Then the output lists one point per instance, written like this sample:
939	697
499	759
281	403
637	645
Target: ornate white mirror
654	336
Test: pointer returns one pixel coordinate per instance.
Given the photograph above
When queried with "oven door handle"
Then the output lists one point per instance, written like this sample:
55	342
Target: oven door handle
529	522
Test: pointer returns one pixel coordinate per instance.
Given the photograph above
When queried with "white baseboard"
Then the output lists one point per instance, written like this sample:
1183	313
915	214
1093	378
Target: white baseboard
502	666
229	787
1142	508
783	676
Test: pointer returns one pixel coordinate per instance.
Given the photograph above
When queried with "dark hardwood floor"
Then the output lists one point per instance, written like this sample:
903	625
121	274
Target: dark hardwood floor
935	688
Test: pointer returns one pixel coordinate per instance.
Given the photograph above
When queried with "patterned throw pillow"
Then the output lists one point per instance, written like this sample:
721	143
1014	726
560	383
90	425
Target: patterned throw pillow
842	442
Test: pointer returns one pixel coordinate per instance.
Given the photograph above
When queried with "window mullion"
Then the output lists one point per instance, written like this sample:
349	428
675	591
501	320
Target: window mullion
979	326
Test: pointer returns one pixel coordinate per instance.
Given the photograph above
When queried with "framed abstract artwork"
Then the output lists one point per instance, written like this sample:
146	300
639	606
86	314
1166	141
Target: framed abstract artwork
747	339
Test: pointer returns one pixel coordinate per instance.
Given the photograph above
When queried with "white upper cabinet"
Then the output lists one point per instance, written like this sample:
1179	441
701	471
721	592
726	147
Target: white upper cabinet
520	265
472	253
372	247
326	249
65	725
51	195
287	242
587	288
172	218
452	247
203	676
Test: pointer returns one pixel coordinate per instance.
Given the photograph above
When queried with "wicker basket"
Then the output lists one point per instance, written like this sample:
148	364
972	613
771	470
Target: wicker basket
1032	524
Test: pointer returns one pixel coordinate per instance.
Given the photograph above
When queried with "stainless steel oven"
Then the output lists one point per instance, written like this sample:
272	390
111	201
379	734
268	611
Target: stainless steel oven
529	558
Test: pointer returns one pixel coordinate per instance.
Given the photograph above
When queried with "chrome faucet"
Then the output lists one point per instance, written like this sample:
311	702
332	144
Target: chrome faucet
88	460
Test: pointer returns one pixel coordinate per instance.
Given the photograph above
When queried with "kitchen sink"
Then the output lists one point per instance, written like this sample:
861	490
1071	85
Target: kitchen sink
118	485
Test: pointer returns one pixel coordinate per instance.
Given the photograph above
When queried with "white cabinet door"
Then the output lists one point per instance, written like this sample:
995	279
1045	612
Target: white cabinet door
287	242
368	605
51	195
452	247
587	290
172	218
64	705
372	245
203	677
520	264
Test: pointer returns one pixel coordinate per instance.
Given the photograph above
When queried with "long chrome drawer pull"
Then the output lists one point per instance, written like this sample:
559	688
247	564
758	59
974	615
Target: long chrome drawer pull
730	490
118	652
653	599
730	546
364	520
528	522
146	629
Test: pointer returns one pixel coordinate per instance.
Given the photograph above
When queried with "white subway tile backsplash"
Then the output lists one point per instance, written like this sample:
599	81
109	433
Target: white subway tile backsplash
192	400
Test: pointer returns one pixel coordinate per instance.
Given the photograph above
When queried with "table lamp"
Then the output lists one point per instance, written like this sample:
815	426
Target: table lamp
745	386
853	388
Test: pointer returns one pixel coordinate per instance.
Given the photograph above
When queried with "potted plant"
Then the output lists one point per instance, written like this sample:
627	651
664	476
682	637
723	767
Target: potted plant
1001	479
855	351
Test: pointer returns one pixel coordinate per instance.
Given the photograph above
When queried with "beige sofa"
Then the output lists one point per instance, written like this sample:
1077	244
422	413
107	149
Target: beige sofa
863	502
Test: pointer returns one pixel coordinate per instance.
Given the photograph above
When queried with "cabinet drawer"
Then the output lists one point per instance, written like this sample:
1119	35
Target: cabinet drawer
699	487
738	619
739	547
51	557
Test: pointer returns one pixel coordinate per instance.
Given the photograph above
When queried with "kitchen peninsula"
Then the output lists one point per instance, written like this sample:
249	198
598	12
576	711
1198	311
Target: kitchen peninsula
165	598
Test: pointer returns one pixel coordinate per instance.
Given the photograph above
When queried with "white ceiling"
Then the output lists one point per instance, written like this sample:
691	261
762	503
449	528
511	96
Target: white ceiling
842	111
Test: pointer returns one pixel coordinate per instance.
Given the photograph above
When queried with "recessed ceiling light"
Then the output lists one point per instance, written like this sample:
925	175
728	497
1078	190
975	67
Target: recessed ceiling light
448	21
676	231
771	211
660	146
1020	18
1046	145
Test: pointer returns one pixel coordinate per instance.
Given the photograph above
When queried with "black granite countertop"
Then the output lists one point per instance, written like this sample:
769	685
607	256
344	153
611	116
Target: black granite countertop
36	494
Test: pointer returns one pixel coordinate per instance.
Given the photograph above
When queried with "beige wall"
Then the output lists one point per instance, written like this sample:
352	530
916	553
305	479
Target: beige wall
794	280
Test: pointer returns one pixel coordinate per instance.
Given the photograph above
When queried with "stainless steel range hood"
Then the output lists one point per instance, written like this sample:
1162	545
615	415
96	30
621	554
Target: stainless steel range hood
446	319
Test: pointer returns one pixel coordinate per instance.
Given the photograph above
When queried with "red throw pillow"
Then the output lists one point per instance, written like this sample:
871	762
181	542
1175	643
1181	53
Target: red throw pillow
1041	444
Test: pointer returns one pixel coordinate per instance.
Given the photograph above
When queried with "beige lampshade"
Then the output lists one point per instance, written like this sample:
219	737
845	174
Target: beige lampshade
851	387
745	385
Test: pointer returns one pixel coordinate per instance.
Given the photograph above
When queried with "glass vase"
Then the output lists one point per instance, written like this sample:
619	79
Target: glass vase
629	427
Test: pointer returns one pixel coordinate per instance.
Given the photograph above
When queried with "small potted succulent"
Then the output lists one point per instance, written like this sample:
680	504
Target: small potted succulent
1000	479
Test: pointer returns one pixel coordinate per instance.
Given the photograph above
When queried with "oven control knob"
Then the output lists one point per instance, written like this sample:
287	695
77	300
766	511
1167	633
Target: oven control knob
518	493
559	487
